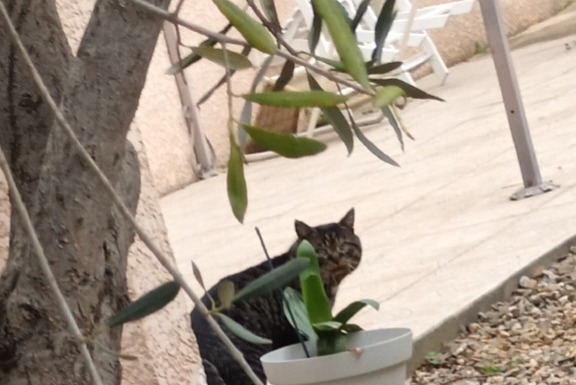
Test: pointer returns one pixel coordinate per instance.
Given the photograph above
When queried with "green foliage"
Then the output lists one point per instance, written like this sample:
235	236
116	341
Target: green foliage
435	358
149	303
236	183
336	118
254	32
491	370
348	70
383	25
343	39
242	332
312	310
235	61
296	99
287	145
276	278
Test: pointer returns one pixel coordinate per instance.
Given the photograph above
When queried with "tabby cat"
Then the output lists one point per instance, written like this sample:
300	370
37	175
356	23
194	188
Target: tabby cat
339	253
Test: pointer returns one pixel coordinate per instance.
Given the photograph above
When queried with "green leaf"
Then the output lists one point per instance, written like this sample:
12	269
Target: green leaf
236	184
384	68
335	118
241	332
351	328
409	89
287	145
293	299
147	304
225	293
387	95
315	31
306	250
198	275
344	41
296	99
237	61
350	311
315	299
192	57
383	24
331	344
371	146
332	326
269	9
187	61
389	114
277	278
254	33
360	11
285	76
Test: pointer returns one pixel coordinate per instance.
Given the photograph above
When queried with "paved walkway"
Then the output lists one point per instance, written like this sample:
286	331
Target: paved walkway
439	233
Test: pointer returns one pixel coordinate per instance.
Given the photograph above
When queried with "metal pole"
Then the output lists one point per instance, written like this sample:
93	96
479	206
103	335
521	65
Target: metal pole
498	42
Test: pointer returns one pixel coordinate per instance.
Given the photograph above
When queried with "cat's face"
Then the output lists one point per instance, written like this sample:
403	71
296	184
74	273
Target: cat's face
338	248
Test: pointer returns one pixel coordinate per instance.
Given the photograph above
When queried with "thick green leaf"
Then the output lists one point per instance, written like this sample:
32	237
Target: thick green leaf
254	33
350	311
236	184
315	299
336	119
277	278
306	250
389	114
331	344
371	146
286	75
333	326
383	24
235	60
315	31
293	299
384	68
287	145
360	11
409	89
145	305
387	95
225	293
344	41
241	332
296	99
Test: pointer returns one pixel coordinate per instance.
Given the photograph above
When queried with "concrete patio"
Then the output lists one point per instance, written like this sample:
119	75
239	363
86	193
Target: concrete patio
441	238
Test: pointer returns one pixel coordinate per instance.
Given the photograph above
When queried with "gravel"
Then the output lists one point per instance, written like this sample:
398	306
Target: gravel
528	340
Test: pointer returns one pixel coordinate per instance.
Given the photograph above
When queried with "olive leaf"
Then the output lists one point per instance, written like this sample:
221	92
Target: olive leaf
147	304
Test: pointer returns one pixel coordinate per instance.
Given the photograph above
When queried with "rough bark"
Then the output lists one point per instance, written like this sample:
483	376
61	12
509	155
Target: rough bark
85	239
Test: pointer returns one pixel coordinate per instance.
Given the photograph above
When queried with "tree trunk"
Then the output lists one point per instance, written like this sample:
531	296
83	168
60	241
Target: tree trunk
84	237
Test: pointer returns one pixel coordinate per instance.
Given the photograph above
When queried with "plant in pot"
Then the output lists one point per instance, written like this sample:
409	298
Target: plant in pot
337	352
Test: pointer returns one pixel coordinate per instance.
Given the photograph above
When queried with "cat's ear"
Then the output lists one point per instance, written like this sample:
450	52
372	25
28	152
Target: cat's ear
348	220
303	230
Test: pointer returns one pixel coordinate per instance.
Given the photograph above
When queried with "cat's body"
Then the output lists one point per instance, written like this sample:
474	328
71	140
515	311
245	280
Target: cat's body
339	253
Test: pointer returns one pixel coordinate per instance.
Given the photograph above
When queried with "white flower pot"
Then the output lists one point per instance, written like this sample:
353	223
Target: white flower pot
382	362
